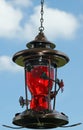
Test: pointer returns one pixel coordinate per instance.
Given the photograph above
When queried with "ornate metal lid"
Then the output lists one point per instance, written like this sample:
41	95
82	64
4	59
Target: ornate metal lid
41	41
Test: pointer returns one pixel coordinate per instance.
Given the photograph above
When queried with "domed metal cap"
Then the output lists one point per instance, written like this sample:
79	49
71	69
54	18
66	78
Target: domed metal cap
41	42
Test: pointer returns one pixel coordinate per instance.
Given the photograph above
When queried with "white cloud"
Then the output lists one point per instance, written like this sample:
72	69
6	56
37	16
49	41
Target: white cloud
6	64
10	19
21	3
57	23
60	23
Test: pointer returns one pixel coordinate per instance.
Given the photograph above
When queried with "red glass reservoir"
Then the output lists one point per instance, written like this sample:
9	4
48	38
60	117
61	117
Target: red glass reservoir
38	86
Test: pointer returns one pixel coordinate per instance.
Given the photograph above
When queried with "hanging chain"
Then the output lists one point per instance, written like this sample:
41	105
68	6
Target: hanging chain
41	28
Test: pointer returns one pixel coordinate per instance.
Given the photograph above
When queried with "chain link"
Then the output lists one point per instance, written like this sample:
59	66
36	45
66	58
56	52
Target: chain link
41	28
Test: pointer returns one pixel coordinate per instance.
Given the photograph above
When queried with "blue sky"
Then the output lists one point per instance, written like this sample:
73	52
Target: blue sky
19	23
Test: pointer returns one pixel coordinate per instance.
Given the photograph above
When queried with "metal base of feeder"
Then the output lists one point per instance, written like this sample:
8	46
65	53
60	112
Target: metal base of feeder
40	119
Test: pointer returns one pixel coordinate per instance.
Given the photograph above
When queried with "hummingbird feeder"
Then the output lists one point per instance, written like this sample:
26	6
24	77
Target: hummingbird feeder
40	62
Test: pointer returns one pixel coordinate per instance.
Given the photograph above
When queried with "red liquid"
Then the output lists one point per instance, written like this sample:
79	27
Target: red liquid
39	87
